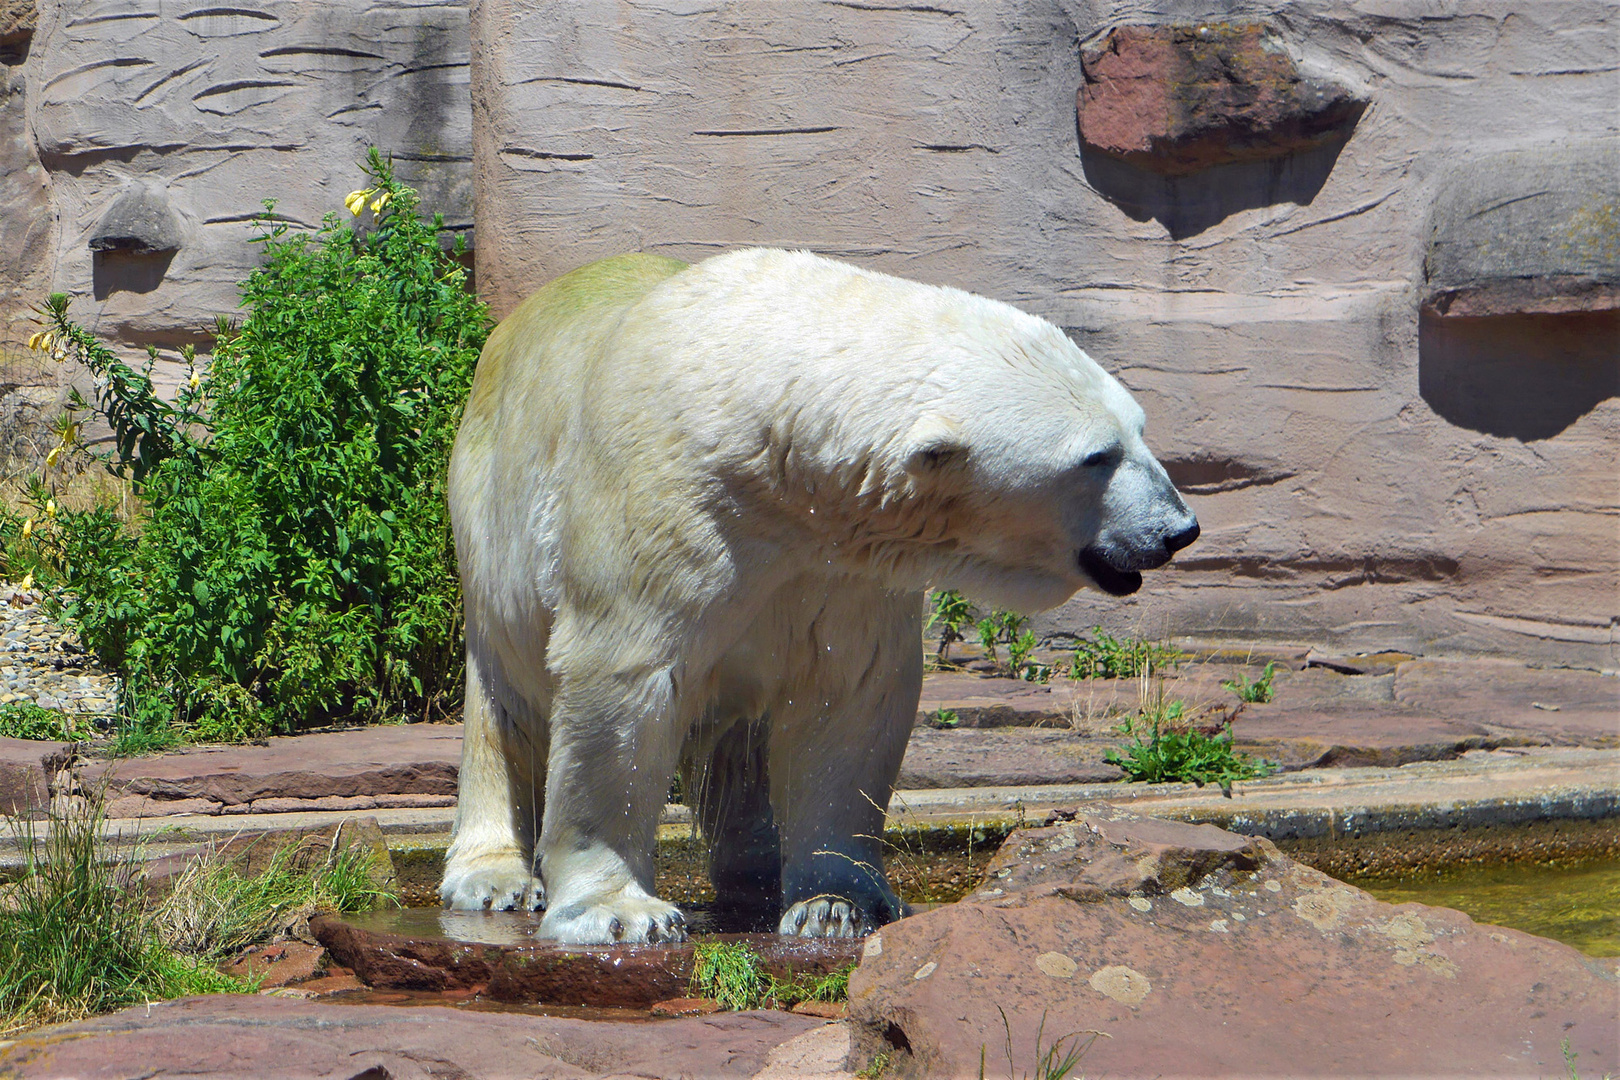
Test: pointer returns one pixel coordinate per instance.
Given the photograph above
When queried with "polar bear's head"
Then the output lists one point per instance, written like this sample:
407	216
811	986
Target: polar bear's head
1038	455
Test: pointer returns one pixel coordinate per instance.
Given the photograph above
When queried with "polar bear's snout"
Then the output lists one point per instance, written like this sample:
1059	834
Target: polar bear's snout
1142	535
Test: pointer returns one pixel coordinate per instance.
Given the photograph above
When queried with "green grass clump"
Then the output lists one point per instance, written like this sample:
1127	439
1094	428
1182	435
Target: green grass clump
1257	692
214	911
76	940
290	561
1108	657
732	974
80	934
25	720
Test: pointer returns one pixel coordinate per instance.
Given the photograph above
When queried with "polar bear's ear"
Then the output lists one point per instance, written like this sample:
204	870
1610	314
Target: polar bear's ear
933	444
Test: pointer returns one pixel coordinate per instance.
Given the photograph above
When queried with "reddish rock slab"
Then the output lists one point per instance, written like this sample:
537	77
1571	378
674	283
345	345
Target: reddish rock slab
1572	707
496	954
1177	99
23	772
255	1036
686	1006
1200	953
278	965
1004	757
298	771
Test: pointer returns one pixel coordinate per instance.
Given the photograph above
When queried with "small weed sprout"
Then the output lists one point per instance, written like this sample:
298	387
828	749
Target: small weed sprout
952	612
1108	657
877	1068
946	718
1019	651
1257	692
1054	1063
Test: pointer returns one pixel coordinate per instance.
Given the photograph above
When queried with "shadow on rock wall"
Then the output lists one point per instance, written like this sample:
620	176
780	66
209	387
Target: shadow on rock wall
1187	205
1524	377
128	271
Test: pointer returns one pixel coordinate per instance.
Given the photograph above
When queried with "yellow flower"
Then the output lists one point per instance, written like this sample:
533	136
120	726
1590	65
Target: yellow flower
195	380
53	457
28	528
50	507
355	201
42	341
380	201
27	582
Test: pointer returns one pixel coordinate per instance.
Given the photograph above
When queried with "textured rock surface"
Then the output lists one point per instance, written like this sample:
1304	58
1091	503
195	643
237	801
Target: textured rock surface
25	207
1528	232
1265	313
1197	952
253	1036
1177	99
208	111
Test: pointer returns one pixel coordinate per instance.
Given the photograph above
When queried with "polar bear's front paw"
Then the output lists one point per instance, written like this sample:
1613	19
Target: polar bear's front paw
824	916
500	882
629	918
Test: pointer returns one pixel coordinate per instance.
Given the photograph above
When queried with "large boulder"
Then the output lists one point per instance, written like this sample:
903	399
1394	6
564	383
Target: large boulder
1190	951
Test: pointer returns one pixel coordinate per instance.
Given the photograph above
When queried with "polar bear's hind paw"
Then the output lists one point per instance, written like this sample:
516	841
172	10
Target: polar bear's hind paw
623	919
824	916
492	883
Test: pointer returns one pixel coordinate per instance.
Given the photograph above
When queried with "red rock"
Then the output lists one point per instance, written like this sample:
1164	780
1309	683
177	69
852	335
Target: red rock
1177	99
326	986
823	1051
686	1006
407	759
23	783
410	951
141	806
253	1036
1201	953
278	965
827	1010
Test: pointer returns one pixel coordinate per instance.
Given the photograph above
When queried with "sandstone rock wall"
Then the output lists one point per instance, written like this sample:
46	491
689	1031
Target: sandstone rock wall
1374	466
25	212
162	127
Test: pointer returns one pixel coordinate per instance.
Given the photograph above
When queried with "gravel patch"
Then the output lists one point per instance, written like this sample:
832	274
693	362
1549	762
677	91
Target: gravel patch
43	663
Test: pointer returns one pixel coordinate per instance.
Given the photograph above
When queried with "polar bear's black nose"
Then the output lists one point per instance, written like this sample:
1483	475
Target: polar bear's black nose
1181	539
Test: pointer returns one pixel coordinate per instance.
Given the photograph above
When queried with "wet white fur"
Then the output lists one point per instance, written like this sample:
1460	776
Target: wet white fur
723	503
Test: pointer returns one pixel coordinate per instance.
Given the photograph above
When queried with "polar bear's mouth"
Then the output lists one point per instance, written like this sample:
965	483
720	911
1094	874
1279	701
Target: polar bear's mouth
1109	580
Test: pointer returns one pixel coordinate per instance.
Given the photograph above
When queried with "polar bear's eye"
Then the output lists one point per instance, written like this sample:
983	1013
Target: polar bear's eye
1100	458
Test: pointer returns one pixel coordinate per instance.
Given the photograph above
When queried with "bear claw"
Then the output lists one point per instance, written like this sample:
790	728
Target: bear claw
823	916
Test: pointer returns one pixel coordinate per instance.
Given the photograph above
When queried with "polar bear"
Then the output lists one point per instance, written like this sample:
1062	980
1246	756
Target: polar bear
696	508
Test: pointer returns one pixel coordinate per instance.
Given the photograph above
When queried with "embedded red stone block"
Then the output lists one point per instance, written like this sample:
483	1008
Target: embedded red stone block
1178	99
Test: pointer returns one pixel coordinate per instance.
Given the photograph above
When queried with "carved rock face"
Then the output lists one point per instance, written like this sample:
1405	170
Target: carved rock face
1178	99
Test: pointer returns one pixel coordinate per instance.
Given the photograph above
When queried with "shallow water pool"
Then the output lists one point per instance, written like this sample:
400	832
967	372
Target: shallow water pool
1579	906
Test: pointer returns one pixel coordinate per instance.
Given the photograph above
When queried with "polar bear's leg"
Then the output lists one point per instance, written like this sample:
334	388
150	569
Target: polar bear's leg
490	863
731	793
614	747
833	767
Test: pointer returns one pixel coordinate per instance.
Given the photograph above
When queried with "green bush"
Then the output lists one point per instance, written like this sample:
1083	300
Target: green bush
294	562
25	720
